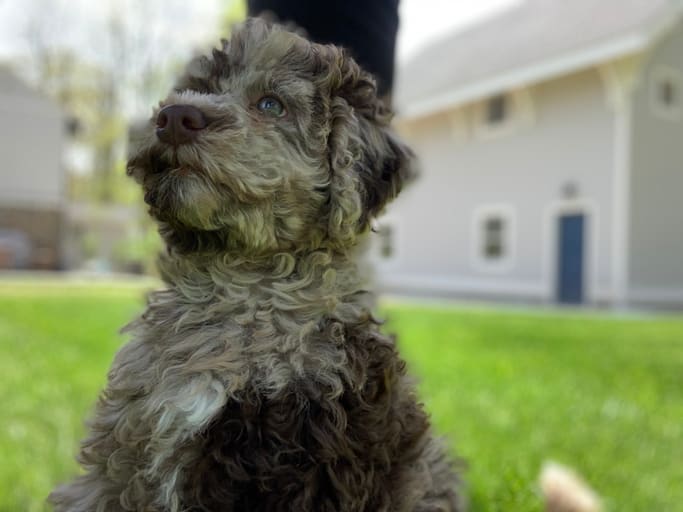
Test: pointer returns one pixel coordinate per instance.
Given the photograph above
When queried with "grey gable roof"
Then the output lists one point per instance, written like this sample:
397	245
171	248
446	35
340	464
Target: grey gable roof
529	42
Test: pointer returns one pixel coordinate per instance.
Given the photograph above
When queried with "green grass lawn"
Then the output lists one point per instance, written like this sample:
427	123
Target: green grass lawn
509	390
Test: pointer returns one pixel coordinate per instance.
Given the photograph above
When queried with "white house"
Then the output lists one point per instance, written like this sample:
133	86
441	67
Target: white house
32	179
551	144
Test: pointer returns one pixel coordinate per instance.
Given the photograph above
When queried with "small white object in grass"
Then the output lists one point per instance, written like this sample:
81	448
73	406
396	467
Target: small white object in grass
565	491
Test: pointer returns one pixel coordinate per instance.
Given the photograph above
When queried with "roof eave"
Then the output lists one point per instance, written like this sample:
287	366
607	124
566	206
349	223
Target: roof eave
527	75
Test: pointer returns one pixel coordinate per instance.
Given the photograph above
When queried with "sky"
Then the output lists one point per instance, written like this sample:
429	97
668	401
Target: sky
422	21
184	25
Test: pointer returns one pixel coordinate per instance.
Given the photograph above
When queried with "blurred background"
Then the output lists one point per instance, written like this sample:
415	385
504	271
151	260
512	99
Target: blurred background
550	134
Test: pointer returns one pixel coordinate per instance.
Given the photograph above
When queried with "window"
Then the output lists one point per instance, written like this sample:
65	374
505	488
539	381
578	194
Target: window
667	93
385	249
386	242
503	114
494	245
492	248
497	109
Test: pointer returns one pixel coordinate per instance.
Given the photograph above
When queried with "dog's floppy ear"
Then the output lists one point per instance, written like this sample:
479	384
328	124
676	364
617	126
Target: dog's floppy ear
369	164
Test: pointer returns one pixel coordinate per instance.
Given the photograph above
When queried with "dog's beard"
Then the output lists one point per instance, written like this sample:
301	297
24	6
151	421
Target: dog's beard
182	195
238	195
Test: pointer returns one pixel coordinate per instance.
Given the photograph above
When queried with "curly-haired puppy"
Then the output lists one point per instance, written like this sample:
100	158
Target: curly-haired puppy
258	379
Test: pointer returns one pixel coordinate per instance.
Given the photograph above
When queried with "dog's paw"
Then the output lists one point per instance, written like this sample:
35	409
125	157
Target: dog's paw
565	491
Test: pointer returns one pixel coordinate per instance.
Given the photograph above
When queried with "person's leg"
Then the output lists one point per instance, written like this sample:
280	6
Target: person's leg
367	29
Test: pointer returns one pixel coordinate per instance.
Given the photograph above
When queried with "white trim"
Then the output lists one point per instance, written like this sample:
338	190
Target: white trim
553	211
621	204
485	287
657	295
478	262
674	112
520	77
621	78
602	294
490	286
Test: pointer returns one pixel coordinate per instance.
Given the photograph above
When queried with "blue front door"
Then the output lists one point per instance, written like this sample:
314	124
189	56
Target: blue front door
570	262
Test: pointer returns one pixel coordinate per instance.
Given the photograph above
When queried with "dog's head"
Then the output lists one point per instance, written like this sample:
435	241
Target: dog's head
272	143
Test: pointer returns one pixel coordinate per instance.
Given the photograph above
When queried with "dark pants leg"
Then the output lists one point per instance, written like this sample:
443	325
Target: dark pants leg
366	28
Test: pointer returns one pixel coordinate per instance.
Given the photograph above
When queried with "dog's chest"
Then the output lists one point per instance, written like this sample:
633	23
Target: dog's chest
207	371
203	366
208	359
309	447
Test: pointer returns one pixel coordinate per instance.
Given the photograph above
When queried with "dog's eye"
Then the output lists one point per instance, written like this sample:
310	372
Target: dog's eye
271	106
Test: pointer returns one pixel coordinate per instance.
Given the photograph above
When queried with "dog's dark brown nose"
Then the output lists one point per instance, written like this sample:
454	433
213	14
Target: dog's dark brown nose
179	124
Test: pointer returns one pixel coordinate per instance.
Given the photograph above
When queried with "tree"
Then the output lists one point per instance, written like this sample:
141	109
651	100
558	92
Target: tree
115	64
107	63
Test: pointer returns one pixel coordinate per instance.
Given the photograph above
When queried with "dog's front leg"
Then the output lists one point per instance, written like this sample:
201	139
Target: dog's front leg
113	452
109	456
181	407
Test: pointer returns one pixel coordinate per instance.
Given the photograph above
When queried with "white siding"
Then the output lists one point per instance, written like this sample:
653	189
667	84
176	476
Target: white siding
656	239
568	140
31	131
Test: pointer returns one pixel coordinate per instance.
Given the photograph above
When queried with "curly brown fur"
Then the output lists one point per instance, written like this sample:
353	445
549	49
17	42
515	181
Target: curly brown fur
258	379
